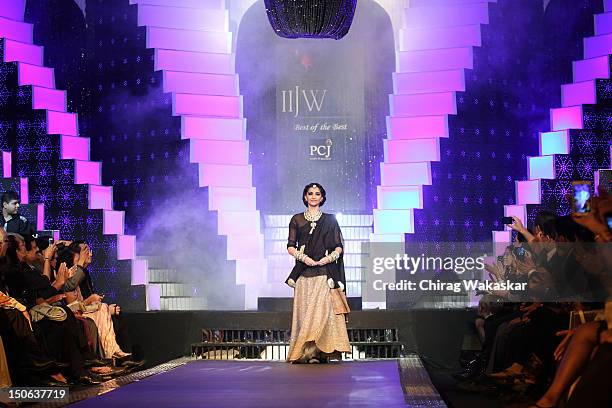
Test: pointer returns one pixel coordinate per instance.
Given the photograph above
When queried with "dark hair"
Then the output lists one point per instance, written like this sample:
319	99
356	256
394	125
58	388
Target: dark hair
546	220
11	251
9	196
320	187
572	231
42	242
28	239
66	255
544	217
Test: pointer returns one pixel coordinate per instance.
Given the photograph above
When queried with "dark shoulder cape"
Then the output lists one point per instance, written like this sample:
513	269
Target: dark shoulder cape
325	238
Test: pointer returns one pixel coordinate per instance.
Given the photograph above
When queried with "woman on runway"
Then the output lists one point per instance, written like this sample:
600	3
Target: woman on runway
318	329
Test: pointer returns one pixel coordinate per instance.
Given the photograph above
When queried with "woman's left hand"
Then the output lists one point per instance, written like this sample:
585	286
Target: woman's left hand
330	283
323	261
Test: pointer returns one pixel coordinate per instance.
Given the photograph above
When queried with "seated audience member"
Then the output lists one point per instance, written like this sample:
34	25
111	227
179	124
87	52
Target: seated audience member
25	355
92	307
12	221
62	335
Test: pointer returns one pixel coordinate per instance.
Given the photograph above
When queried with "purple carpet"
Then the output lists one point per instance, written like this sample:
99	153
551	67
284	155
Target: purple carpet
205	383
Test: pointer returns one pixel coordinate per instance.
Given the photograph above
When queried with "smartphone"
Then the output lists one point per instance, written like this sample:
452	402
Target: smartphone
581	202
609	221
507	220
51	241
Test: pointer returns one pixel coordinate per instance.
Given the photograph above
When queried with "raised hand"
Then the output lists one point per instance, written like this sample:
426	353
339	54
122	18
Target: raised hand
62	273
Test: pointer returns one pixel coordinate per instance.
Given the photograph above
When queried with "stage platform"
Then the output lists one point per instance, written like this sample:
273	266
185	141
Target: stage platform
191	383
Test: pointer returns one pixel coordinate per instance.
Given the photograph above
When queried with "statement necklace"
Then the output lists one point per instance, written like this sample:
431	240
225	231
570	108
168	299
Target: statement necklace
313	219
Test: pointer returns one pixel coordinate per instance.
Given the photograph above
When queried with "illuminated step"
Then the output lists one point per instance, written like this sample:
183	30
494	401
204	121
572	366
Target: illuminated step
74	147
16	30
47	98
503	237
100	197
603	23
417	127
247	246
435	60
219	152
405	174
541	167
202	62
196	83
140	272
387	237
428	3
183	18
176	290
87	172
153	297
436	38
593	68
598	46
207	105
189	40
62	123
113	222
7	164
425	82
231	199
393	221
225	175
16	51
207	128
238	223
519	211
126	247
400	197
12	9
557	142
528	192
198	4
446	15
423	104
409	151
28	74
567	118
579	93
575	142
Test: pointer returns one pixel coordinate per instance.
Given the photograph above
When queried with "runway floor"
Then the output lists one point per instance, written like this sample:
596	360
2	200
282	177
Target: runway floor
240	383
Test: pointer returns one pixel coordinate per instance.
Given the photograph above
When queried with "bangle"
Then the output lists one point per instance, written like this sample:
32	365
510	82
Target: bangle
334	255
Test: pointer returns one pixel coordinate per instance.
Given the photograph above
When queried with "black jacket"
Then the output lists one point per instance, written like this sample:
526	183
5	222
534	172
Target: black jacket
19	224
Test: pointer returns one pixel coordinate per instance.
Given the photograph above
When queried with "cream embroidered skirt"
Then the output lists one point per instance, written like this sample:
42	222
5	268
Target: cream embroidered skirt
315	328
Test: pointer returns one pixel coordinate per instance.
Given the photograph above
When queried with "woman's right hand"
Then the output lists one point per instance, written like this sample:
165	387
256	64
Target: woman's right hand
309	261
291	283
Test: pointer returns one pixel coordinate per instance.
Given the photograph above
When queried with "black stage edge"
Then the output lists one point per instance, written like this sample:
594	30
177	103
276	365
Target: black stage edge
436	335
285	304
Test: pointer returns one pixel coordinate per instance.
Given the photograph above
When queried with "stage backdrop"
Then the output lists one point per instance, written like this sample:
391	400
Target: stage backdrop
316	110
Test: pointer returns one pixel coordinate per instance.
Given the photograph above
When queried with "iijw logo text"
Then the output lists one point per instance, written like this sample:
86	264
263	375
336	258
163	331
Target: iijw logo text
292	98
